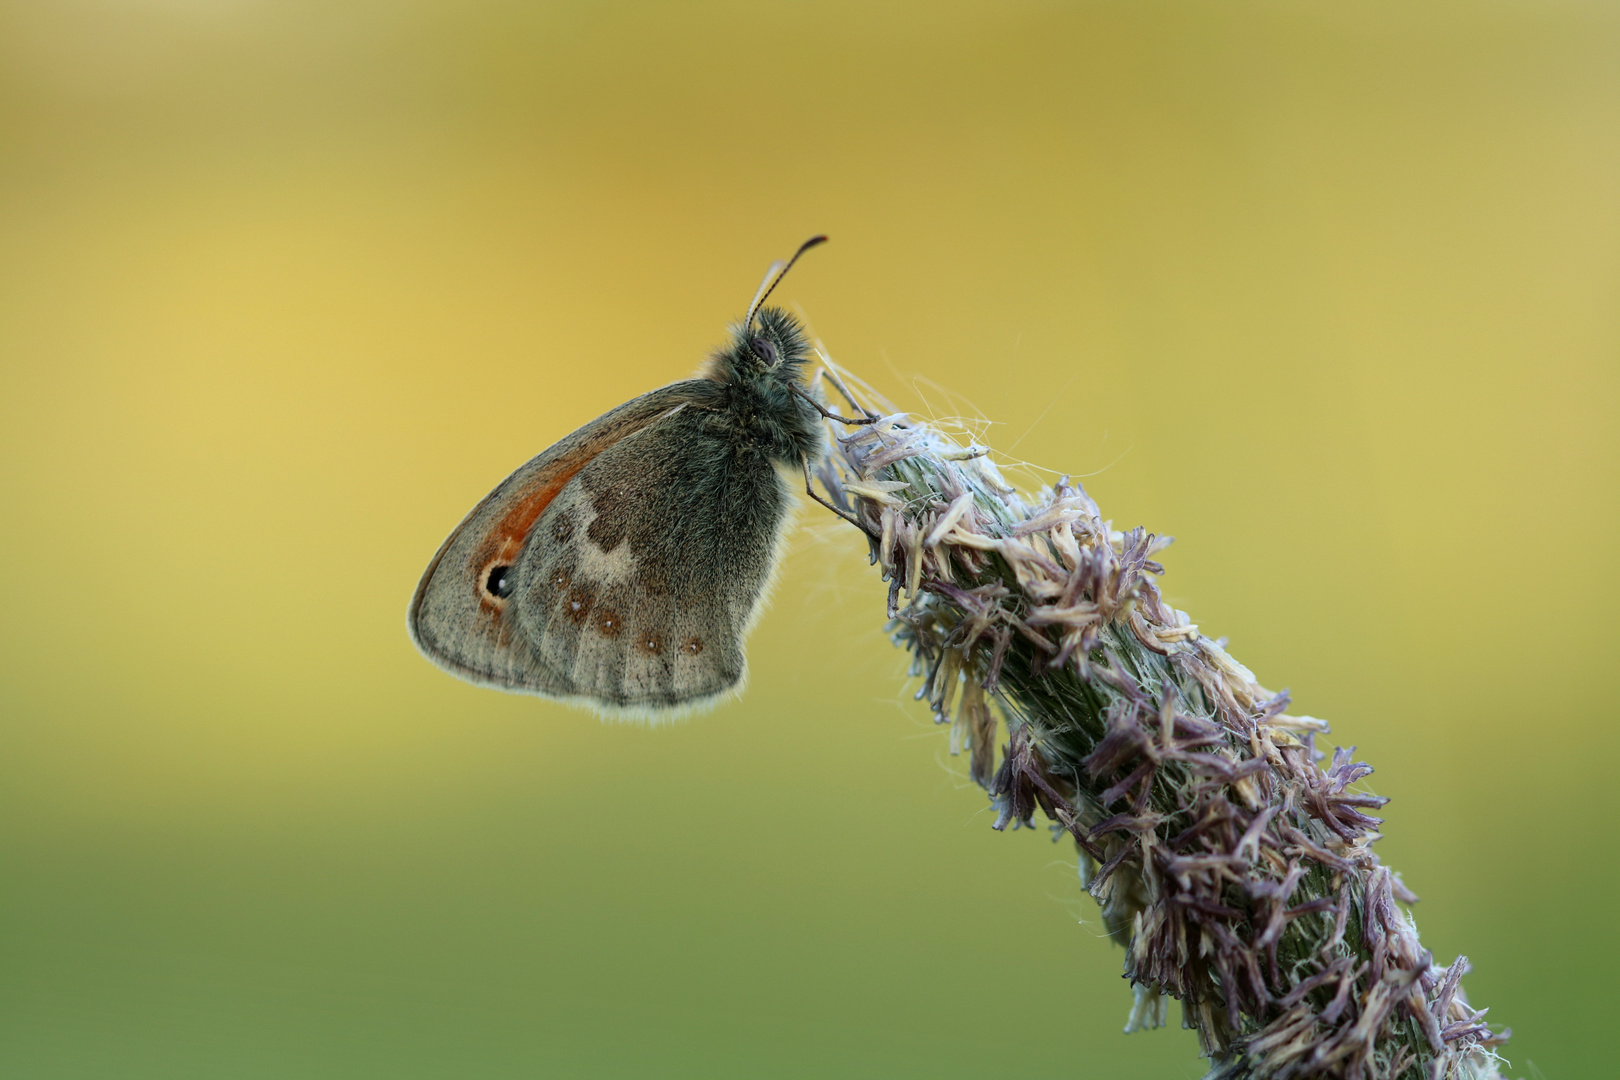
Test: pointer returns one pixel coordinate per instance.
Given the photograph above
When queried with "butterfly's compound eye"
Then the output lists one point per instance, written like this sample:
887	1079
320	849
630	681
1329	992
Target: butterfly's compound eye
765	350
498	582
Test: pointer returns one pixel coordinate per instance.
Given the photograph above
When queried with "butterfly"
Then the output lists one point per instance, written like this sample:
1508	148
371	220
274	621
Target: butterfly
623	567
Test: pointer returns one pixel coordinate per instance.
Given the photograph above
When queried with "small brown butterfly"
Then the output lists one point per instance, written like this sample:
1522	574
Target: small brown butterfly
623	567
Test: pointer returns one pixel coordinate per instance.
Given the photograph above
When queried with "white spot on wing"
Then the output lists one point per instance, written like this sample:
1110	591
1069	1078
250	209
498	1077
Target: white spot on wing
614	567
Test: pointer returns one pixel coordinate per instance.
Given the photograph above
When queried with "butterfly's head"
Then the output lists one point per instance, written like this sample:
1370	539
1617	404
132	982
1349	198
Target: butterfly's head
770	343
772	346
762	369
769	349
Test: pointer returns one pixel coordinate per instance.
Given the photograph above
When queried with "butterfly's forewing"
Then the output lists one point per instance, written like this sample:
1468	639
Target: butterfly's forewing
458	617
645	572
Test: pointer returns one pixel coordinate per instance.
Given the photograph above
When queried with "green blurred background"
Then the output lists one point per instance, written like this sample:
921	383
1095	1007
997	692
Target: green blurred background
1327	290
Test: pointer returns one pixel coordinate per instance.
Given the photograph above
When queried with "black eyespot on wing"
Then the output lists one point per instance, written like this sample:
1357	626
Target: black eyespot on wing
765	350
499	581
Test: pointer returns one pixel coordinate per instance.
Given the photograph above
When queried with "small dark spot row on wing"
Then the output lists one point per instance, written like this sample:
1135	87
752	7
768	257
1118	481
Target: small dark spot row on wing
563	528
580	601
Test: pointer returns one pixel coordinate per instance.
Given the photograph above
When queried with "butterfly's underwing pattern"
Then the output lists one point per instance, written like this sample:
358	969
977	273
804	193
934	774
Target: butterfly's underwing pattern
623	567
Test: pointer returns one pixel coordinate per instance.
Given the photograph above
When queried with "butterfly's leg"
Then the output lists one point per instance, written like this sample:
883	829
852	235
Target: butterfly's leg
832	377
810	489
816	405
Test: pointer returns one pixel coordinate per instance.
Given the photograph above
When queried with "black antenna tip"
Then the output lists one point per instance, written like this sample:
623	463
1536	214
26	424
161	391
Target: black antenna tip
774	277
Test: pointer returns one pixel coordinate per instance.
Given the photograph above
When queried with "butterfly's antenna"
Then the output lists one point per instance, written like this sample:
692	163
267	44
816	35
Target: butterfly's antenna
773	277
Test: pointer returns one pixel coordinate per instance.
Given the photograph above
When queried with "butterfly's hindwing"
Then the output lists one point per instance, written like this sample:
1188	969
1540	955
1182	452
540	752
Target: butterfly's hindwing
642	577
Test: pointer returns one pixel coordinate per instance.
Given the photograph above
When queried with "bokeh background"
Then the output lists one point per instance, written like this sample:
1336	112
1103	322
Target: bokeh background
1326	290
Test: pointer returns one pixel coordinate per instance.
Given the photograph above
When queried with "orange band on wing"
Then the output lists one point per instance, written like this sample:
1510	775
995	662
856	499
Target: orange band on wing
503	542
506	539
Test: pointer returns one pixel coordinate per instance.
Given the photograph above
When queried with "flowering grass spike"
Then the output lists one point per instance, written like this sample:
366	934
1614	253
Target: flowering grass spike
1233	866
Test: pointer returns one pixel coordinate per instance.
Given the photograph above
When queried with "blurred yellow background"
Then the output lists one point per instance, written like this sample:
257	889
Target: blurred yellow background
1328	291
